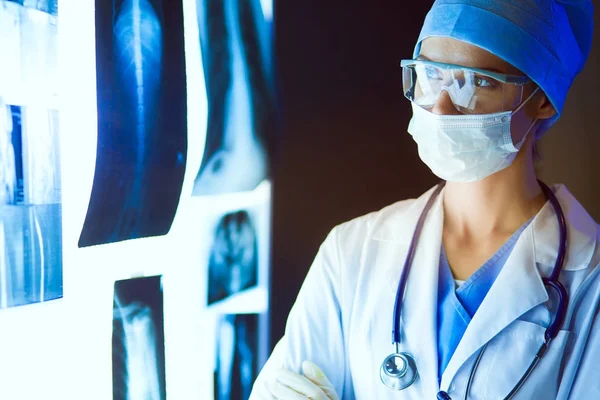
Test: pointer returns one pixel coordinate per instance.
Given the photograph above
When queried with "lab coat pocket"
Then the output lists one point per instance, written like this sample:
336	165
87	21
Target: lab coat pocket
511	352
371	344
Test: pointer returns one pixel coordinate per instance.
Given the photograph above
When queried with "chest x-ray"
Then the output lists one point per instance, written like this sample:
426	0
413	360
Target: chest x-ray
233	262
236	364
138	340
240	105
142	118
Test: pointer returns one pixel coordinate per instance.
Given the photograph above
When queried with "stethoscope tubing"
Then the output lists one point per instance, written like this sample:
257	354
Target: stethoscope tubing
408	263
552	282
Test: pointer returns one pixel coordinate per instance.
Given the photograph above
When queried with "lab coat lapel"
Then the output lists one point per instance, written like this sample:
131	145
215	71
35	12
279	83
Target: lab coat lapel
419	306
519	286
517	289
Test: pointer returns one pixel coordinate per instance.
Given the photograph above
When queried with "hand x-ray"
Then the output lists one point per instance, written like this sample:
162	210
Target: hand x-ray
233	262
138	349
240	99
30	206
237	349
142	120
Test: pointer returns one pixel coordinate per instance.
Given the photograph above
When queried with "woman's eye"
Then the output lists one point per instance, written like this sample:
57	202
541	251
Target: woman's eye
432	73
481	81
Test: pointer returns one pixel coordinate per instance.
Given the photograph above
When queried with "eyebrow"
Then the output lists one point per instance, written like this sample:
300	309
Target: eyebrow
424	58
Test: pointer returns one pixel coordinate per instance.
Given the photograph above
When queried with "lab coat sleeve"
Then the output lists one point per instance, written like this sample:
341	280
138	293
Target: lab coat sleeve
314	326
582	372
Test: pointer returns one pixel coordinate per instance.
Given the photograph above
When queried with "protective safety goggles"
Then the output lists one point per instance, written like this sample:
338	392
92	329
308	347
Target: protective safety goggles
472	90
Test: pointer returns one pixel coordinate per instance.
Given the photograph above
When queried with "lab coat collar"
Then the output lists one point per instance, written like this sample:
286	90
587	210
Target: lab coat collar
581	233
397	223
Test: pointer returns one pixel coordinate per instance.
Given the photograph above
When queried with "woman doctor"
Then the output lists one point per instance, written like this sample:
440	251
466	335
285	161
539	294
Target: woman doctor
466	303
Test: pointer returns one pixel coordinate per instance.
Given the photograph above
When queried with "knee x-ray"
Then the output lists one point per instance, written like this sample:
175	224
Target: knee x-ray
240	105
236	363
138	349
233	262
142	118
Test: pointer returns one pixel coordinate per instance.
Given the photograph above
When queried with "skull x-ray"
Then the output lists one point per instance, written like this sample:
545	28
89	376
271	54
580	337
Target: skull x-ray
138	349
142	120
233	261
236	363
239	93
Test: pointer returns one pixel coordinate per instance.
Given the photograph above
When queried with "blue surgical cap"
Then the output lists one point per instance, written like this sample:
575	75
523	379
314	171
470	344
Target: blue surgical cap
549	40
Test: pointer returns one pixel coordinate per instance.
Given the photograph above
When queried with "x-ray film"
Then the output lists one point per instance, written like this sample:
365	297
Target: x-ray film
235	54
30	206
47	6
233	262
138	349
142	117
237	352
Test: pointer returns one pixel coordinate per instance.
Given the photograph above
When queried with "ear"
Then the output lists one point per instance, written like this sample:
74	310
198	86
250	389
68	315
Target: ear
540	107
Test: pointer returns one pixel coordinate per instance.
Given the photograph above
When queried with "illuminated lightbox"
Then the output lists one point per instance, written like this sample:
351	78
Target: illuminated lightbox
135	193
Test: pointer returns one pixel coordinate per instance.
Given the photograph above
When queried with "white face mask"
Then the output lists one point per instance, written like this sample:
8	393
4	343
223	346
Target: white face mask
465	148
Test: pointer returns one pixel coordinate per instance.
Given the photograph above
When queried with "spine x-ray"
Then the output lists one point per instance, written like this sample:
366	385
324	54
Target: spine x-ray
138	340
142	118
240	98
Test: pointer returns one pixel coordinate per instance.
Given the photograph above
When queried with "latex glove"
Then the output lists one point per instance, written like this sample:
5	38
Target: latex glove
313	385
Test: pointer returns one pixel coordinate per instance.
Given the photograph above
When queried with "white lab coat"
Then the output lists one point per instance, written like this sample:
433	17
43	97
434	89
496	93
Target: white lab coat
342	318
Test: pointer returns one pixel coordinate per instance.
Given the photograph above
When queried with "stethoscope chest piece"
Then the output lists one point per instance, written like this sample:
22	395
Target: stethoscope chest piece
398	371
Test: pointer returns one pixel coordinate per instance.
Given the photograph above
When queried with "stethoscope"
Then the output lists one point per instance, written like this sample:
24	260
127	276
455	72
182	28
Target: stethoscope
399	370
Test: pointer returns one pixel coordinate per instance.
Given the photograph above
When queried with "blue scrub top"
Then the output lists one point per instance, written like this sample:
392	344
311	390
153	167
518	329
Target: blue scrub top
456	307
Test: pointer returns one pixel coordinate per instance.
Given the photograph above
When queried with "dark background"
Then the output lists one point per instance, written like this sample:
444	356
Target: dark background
344	150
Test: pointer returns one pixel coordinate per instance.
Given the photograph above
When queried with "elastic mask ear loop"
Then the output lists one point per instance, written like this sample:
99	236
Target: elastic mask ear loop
520	143
526	100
